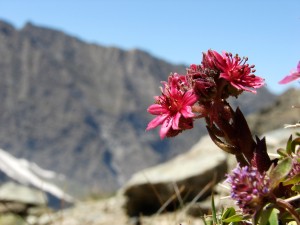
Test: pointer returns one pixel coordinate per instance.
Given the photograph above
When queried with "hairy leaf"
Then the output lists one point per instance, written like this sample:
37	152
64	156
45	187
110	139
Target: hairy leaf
228	213
294	180
234	218
279	173
294	143
269	216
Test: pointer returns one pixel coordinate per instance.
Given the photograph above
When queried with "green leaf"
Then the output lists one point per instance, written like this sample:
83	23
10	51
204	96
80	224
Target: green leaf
264	217
269	216
213	208
282	152
296	188
278	174
294	143
228	213
293	180
234	218
273	220
288	145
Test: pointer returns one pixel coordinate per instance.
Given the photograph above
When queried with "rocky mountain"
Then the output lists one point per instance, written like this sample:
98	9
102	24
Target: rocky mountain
80	109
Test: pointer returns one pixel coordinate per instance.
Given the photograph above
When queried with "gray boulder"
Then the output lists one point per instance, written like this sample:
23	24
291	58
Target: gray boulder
180	180
12	192
31	176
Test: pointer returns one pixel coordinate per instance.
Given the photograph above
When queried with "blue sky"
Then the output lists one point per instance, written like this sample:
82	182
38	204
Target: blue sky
268	31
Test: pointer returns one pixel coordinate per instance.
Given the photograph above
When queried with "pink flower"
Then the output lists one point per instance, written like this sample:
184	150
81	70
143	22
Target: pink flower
295	74
173	109
233	69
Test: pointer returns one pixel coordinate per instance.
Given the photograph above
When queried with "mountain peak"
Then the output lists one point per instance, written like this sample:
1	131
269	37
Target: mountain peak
6	28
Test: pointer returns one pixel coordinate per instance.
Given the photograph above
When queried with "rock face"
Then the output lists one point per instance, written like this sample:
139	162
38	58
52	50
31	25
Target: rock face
80	109
176	181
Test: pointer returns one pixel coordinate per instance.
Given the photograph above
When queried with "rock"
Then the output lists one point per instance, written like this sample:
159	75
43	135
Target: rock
30	174
12	207
176	181
12	219
101	212
110	211
20	204
12	192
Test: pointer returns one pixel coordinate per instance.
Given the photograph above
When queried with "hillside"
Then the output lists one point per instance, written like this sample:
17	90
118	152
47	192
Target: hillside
80	109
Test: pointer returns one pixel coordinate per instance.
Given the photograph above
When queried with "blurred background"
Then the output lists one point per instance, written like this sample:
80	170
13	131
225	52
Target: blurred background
76	78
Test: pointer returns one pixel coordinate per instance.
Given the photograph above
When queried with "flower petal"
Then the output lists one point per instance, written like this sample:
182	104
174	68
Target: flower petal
156	121
175	124
187	112
290	78
157	109
189	98
165	127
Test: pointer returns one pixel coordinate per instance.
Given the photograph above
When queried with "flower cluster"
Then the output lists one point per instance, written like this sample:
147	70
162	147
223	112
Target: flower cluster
201	92
250	188
258	183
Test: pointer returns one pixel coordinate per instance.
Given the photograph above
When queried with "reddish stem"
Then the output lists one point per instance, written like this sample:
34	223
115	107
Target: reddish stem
289	208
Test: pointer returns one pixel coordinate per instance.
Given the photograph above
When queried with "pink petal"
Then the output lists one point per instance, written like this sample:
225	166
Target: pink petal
187	112
175	124
165	127
218	57
242	87
298	67
156	121
225	76
157	98
157	109
189	98
290	78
